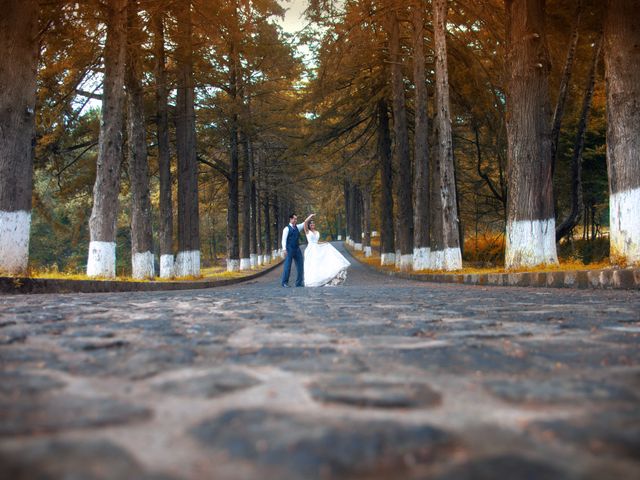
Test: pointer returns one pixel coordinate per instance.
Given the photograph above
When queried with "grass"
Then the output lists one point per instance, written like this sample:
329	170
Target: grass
486	253
216	272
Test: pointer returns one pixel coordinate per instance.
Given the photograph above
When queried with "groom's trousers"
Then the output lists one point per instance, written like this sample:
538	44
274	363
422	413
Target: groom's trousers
291	256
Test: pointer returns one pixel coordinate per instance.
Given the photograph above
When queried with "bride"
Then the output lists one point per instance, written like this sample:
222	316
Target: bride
323	264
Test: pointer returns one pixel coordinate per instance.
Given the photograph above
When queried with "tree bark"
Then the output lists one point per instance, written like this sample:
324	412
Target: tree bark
255	250
530	232
102	223
142	258
449	257
404	183
233	241
387	241
569	223
564	85
18	72
188	259
245	247
421	146
268	250
622	67
366	221
164	155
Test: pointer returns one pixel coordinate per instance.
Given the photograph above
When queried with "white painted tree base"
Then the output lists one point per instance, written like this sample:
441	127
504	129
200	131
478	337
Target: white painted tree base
398	257
357	247
406	262
447	260
367	252
260	260
245	264
142	265
531	243
388	259
14	241
188	264
166	266
421	258
267	259
624	214
254	260
233	265
339	238
102	259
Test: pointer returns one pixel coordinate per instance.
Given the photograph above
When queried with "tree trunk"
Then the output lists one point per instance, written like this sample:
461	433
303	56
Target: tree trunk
387	243
356	216
347	211
164	156
18	71
564	86
447	255
277	225
404	184
255	216
366	221
571	221
188	260
245	247
142	258
421	146
233	243
268	250
530	232
622	67
102	224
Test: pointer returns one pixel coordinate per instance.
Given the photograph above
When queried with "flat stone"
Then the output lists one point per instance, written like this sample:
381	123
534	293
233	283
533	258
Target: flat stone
19	383
64	412
374	394
210	385
84	460
304	447
556	390
505	467
613	432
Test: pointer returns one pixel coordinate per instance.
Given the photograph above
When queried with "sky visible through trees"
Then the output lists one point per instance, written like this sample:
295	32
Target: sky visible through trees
152	138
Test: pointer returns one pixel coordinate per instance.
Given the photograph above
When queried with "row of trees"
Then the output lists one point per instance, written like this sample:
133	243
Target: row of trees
431	119
151	66
501	86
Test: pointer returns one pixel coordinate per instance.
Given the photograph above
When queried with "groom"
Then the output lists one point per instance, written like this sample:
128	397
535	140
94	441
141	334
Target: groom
290	237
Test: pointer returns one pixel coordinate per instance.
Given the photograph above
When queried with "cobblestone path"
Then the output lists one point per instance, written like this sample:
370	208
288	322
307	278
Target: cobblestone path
381	378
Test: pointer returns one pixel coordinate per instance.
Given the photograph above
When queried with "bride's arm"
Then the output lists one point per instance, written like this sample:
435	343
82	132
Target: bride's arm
306	223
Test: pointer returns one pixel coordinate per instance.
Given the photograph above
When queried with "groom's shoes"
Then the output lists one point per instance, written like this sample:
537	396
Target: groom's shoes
284	285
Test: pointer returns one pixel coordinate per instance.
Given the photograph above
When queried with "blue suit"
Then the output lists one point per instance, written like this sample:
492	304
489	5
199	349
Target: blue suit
293	253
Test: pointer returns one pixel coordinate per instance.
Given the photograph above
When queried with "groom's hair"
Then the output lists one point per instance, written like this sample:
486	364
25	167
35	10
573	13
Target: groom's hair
291	216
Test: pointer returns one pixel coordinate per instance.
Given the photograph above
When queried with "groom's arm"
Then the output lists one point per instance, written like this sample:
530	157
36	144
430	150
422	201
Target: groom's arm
285	233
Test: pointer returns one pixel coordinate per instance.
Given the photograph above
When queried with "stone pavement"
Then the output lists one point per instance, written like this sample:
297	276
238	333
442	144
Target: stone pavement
381	378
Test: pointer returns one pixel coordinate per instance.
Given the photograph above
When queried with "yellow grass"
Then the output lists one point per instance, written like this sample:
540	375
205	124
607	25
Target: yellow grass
209	273
564	265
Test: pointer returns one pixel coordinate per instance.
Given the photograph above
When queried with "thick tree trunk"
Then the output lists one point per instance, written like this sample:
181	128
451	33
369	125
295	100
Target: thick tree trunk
268	250
448	256
356	216
142	258
622	66
188	259
233	241
245	247
421	146
530	232
401	134
558	113
347	211
255	249
571	221
164	155
387	243
102	224
366	221
18	70
277	225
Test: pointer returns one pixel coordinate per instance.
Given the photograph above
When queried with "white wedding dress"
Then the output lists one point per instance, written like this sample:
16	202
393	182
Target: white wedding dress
323	264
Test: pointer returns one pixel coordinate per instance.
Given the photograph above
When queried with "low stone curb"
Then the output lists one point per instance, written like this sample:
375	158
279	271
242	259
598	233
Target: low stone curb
13	285
610	278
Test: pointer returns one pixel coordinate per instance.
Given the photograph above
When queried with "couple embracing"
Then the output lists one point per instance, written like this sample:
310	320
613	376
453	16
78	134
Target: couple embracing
321	265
